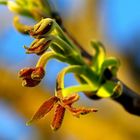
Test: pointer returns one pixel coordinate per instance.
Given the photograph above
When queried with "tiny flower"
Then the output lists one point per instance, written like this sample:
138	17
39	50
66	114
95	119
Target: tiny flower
31	76
44	27
62	103
39	46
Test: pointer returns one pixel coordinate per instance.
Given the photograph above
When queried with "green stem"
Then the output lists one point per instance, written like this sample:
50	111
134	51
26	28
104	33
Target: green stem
47	56
56	48
60	78
66	38
79	88
22	28
70	53
80	70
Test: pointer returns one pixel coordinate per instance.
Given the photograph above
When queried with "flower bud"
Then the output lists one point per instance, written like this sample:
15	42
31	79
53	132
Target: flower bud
31	76
44	27
38	73
29	83
39	46
26	72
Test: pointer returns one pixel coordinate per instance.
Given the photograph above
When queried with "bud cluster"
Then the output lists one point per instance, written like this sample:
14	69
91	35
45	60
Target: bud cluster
50	41
92	77
47	34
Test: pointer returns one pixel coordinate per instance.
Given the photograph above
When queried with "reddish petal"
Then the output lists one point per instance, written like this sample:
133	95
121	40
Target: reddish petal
44	109
58	117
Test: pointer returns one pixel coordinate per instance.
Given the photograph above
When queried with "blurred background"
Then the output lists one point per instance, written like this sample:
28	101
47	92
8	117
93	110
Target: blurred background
117	25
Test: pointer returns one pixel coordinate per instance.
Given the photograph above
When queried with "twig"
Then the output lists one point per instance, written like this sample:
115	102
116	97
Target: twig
129	99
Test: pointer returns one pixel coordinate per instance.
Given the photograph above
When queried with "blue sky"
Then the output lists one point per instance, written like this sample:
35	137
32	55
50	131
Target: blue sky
121	20
12	125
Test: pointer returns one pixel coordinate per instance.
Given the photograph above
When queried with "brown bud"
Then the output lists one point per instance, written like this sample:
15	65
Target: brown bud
26	72
45	26
29	82
38	73
39	46
31	76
